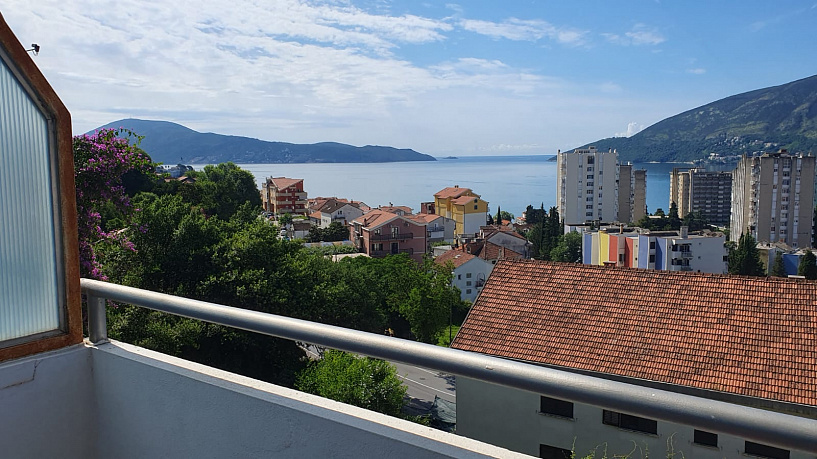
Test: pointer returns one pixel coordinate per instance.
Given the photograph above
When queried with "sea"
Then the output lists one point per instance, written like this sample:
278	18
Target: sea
507	182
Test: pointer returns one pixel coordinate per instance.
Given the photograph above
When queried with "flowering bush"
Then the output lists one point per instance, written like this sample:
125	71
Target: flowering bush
100	161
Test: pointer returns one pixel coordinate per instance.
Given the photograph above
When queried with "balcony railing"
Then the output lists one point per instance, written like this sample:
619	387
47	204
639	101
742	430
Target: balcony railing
391	237
757	425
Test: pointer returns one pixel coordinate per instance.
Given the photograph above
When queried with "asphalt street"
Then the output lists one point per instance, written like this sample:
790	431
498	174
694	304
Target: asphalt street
423	384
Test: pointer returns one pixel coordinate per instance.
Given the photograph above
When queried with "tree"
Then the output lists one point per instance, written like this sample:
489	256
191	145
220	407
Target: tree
498	218
285	219
223	188
100	163
534	216
506	216
778	269
808	265
569	248
745	258
673	221
361	381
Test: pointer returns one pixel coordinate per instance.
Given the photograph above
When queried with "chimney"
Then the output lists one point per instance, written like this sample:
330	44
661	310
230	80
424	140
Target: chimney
456	186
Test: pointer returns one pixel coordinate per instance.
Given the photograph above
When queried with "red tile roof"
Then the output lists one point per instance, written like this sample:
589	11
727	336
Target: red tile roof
491	251
462	200
451	192
456	257
283	182
750	336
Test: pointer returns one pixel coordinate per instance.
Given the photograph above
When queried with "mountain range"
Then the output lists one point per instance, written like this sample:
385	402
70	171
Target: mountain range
172	143
766	119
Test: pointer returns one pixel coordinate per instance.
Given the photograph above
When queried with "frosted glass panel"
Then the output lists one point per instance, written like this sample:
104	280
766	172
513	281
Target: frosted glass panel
29	297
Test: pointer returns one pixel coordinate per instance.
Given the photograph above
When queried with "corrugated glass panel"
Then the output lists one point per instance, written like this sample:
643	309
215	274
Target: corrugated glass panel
29	296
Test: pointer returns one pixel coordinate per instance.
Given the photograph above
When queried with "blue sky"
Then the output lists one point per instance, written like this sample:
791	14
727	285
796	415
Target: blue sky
468	78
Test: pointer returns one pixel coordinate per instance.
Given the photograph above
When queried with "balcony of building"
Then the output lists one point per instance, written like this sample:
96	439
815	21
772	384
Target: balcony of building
110	399
391	236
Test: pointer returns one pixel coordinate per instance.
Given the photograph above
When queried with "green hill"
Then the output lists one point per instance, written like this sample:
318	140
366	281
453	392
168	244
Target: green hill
171	143
767	119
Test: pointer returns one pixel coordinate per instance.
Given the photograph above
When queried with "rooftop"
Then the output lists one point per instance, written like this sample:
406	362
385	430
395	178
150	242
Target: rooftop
283	182
749	336
452	192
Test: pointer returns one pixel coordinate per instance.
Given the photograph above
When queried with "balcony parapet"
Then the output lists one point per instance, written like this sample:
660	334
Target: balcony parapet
754	424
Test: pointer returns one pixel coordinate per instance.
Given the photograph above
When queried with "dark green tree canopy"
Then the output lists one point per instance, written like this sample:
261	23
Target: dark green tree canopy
808	265
745	258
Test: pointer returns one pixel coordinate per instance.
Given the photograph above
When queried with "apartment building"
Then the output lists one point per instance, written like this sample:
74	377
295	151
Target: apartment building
703	252
282	195
707	192
773	198
632	193
464	207
587	185
380	233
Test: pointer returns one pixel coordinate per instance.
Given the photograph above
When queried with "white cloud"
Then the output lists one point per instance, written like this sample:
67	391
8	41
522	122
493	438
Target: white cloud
524	30
639	35
633	128
697	71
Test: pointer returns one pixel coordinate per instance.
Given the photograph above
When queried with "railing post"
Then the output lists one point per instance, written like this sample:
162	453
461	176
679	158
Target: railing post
97	320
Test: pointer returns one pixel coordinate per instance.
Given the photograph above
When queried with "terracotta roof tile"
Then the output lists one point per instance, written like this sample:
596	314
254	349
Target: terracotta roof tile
456	257
283	182
749	336
451	192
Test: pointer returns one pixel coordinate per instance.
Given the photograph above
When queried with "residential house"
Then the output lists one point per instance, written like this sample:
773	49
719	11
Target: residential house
743	341
470	272
399	210
438	228
379	234
337	211
507	237
282	195
464	207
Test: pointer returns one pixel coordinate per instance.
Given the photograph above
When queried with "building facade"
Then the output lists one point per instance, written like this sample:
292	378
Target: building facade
379	234
632	193
587	185
281	195
661	250
773	198
469	272
464	207
706	192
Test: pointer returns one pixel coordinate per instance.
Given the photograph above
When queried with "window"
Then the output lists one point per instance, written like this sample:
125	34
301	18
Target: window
652	258
552	452
629	422
459	276
590	176
468	275
591	160
377	247
475	207
555	407
468	283
652	245
756	449
468	292
702	437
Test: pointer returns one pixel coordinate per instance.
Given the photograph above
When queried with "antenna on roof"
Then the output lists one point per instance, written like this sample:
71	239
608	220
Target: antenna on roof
35	49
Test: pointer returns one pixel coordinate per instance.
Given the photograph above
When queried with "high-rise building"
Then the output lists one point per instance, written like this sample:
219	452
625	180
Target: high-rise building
706	192
639	194
773	198
587	185
632	193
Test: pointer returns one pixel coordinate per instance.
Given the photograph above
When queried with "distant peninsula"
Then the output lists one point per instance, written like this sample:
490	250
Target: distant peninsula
172	143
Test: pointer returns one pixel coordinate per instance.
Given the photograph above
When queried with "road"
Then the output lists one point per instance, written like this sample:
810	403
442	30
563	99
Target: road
423	384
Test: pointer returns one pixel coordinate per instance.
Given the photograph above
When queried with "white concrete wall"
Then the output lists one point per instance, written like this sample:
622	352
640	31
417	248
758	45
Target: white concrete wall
472	222
510	418
121	401
475	267
47	407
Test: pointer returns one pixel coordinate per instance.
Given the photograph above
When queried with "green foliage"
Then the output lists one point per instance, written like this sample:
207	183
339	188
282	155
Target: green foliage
534	216
224	188
361	381
447	336
778	269
569	248
745	258
546	234
285	219
331	250
808	265
336	231
506	216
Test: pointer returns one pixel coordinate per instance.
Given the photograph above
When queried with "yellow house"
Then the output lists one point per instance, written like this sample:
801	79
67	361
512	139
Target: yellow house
464	207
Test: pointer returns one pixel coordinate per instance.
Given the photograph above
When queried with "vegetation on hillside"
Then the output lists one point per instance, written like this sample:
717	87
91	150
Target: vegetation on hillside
766	119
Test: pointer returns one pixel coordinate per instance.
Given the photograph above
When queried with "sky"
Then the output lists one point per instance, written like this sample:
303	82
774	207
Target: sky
482	77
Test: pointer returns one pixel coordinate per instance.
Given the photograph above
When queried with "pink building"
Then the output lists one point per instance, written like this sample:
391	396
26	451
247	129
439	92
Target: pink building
380	233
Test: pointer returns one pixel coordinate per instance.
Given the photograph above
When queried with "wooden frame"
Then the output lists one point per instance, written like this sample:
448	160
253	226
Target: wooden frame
21	64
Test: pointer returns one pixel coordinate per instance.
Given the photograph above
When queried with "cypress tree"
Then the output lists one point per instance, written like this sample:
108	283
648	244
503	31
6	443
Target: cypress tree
745	258
808	265
778	270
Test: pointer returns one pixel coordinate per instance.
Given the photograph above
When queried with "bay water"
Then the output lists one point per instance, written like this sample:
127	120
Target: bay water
509	182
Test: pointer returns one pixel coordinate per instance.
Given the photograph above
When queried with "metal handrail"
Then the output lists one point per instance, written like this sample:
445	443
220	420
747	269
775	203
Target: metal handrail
762	426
